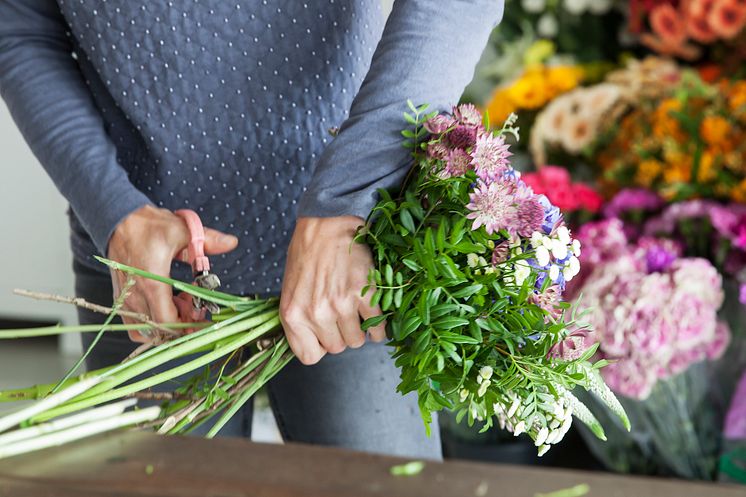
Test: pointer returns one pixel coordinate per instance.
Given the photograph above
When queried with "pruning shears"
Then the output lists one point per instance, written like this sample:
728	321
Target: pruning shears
192	308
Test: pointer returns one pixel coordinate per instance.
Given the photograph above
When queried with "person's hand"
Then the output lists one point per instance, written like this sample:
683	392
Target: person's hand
151	238
320	306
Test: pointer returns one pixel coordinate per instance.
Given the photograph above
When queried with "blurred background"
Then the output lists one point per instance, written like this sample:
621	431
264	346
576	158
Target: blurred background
633	121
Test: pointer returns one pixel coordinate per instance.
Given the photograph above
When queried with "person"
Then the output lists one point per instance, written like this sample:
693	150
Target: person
136	109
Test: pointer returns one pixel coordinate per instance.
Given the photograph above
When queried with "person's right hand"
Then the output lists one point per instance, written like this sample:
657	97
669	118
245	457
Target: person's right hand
150	239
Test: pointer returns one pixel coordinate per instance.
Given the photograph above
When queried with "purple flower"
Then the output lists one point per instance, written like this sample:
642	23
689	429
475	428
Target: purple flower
439	124
552	215
468	114
742	294
505	205
463	136
659	254
632	199
490	156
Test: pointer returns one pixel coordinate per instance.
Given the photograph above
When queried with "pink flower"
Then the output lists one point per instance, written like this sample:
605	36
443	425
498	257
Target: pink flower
505	205
490	156
468	114
457	164
437	150
588	198
463	136
439	124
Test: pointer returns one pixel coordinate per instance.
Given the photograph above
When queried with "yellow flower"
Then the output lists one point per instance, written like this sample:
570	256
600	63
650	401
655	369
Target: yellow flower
500	106
648	171
564	78
714	130
530	91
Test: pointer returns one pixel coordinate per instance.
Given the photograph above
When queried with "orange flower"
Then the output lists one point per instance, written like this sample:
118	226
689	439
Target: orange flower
727	18
679	172
706	171
714	130
668	24
737	97
648	171
664	124
698	23
738	194
499	107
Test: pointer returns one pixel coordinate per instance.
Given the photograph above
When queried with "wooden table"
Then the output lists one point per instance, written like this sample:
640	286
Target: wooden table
137	464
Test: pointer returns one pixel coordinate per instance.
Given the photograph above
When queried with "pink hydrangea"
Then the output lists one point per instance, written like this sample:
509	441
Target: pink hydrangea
650	324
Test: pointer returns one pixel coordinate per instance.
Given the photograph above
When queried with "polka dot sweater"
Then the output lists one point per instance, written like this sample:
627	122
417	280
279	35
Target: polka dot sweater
224	107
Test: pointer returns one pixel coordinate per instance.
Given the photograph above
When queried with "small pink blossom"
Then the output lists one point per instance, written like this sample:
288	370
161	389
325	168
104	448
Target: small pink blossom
505	205
457	163
490	156
439	124
468	114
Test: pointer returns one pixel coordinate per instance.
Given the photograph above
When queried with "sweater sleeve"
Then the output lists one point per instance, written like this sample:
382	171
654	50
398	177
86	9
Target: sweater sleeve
51	104
427	53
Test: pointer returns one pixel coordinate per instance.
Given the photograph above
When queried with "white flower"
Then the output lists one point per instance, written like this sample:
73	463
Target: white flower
463	394
472	260
480	379
548	27
543	450
483	388
576	247
547	242
534	6
574	265
521	271
554	273
542	256
564	235
554	437
536	239
541	437
577	7
486	372
559	249
514	407
519	428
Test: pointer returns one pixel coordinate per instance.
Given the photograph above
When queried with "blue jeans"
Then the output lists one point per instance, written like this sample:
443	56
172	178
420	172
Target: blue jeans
347	400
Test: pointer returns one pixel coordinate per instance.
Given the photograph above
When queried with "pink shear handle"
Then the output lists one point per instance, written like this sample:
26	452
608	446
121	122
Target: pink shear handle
196	248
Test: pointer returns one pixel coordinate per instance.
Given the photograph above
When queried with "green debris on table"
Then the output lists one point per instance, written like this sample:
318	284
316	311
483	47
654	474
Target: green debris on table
411	468
576	491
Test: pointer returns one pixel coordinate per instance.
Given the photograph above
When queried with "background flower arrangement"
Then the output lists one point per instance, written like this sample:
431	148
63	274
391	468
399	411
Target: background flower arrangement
647	157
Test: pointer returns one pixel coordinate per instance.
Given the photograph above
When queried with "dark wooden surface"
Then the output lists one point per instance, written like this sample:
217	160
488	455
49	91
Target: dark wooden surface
137	464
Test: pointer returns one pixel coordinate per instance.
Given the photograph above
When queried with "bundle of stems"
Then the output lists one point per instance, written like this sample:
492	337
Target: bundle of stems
235	354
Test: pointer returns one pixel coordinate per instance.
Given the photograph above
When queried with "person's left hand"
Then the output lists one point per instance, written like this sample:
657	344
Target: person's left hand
320	305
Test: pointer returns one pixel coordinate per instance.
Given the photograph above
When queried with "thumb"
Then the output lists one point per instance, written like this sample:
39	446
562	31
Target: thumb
217	242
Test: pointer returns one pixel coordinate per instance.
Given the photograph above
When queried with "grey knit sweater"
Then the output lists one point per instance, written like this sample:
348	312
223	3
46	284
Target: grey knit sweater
223	107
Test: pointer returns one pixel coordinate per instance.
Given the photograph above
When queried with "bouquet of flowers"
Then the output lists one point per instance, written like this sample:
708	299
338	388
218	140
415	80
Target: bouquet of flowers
655	313
470	265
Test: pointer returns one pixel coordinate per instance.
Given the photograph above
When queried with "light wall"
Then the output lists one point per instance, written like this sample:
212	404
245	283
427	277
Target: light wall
34	247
